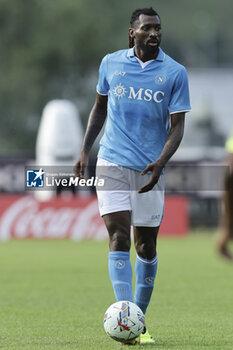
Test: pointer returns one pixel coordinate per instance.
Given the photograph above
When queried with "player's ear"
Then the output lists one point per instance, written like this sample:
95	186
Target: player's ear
131	37
132	32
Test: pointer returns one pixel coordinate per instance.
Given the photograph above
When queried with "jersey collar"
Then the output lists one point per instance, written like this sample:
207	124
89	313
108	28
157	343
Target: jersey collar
160	57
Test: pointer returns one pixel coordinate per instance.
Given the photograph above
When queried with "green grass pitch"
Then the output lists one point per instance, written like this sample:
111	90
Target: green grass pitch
53	295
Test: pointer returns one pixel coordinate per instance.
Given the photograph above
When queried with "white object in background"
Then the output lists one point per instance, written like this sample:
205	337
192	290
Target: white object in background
59	138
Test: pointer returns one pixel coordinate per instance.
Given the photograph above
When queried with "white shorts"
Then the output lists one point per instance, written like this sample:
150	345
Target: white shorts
119	193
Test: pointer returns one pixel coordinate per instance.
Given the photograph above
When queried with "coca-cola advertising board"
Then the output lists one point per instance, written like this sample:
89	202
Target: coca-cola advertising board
23	217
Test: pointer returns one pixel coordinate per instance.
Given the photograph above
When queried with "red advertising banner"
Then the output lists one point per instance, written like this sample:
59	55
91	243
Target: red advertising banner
23	216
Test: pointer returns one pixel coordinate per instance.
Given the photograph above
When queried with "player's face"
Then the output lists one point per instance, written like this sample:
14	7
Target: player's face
147	34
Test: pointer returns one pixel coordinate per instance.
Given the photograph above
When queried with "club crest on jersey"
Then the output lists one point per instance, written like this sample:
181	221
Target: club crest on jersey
160	79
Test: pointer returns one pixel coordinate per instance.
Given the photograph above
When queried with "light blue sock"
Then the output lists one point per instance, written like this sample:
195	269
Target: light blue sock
120	272
145	271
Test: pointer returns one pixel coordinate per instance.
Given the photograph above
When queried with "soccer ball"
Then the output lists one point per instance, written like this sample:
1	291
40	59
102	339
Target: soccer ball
124	321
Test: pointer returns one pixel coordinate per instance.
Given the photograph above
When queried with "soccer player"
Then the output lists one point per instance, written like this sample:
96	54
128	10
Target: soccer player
227	220
145	95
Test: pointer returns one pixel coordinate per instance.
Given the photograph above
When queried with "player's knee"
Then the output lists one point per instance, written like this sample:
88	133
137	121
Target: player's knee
119	241
146	249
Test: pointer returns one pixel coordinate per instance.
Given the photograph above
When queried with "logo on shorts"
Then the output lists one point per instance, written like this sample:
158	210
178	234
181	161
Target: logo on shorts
149	280
120	264
35	178
155	217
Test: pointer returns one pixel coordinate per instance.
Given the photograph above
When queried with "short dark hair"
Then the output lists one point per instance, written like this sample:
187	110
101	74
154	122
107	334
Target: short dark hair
144	11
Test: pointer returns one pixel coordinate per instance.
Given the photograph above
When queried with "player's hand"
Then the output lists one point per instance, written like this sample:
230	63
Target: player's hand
81	164
155	170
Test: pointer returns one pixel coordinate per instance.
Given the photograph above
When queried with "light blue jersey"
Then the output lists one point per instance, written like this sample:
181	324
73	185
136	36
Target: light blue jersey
141	98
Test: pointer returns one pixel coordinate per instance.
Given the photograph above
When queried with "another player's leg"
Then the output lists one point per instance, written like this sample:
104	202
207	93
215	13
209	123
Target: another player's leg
120	270
227	229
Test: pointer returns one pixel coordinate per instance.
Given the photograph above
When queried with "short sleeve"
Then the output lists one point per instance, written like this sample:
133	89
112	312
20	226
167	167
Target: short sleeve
180	101
102	86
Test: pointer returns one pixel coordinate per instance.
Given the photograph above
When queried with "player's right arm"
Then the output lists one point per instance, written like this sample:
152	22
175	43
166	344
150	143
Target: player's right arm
95	123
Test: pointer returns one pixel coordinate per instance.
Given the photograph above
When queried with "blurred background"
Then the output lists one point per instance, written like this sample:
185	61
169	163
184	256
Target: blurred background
51	50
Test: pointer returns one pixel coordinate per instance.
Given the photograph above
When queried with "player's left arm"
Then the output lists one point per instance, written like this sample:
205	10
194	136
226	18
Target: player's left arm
173	141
